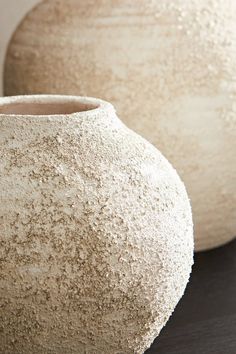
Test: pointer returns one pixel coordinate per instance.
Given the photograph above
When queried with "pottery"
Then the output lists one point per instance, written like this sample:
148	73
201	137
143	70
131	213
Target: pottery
168	67
96	230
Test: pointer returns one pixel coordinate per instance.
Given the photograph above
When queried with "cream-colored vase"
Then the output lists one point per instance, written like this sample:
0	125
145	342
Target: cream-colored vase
168	66
96	230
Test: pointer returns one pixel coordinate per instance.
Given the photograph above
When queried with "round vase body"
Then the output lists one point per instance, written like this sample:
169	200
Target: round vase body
96	230
169	68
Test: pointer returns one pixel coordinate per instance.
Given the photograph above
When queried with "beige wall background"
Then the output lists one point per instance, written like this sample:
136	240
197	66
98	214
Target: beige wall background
11	13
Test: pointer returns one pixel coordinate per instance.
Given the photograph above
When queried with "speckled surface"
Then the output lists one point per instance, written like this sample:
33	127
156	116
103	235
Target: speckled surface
169	68
96	239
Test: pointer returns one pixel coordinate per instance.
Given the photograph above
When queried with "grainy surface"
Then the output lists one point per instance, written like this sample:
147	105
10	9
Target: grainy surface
204	321
96	236
169	68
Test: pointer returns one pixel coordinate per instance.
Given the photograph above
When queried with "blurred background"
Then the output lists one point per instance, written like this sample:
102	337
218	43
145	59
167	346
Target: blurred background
11	14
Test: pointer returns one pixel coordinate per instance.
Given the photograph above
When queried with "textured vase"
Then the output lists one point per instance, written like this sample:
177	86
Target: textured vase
96	232
169	68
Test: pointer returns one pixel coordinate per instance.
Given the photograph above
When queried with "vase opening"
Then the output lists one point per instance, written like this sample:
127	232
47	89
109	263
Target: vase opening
26	105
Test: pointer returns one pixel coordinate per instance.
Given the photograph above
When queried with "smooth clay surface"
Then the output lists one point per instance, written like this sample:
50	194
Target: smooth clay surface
169	68
96	238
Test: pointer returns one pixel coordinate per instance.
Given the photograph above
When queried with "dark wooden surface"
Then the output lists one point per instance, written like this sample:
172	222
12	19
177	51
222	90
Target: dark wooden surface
204	321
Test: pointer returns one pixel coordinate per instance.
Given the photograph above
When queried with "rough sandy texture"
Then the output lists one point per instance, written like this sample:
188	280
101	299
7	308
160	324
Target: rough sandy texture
169	68
96	239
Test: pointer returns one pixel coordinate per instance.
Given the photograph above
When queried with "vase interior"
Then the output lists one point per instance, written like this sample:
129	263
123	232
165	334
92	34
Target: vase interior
49	107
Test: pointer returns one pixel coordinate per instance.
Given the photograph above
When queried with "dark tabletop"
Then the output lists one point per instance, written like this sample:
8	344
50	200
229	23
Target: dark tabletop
204	321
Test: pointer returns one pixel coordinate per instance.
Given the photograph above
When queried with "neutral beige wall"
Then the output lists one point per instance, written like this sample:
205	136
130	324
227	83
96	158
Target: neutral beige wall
11	13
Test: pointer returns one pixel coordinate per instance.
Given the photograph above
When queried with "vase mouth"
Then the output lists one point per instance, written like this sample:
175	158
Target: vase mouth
50	105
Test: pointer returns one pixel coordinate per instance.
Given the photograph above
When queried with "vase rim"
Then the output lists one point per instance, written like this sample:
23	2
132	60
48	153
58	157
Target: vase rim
51	105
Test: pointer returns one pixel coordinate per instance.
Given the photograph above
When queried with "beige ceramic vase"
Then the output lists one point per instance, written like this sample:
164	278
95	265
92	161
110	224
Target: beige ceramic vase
168	66
96	230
